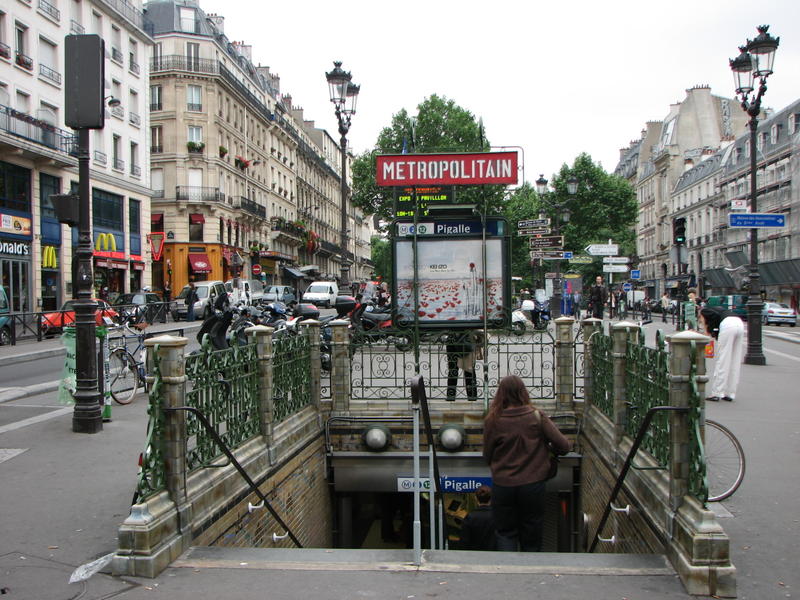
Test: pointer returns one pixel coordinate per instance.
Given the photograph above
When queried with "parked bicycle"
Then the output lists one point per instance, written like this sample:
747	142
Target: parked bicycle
126	368
725	463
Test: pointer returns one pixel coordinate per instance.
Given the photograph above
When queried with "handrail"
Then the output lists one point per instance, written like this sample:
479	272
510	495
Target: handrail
224	447
626	467
418	395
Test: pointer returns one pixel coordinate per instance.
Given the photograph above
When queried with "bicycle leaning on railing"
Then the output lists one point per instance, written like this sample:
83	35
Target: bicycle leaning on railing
126	368
725	462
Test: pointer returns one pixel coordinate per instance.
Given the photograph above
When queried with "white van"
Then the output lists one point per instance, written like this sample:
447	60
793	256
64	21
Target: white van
321	293
250	291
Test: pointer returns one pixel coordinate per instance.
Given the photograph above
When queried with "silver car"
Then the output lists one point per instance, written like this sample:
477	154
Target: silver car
774	312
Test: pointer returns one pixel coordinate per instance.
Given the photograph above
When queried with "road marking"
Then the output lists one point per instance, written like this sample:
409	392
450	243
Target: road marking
36	419
782	354
8	453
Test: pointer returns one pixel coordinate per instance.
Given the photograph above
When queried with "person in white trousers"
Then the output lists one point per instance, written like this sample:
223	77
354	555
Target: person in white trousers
728	331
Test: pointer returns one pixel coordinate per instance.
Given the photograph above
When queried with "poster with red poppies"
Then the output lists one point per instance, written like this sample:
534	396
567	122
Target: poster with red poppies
450	280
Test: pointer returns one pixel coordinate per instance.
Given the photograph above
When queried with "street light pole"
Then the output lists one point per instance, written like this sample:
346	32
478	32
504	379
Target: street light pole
754	61
344	95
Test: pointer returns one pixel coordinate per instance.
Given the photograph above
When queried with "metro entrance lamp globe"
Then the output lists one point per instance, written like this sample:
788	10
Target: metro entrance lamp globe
559	213
754	62
344	94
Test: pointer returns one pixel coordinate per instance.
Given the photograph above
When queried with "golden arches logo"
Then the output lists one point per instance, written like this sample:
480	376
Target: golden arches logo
105	242
49	257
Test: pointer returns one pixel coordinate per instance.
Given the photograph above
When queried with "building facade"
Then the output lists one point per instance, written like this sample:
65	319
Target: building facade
237	172
38	155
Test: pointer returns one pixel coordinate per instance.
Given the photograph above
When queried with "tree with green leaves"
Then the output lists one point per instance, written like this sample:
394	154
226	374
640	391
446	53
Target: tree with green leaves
381	257
439	126
604	207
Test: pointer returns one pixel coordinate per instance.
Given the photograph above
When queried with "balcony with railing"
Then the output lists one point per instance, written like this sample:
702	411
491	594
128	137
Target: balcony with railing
134	119
118	164
250	206
288	232
25	126
132	14
51	75
136	170
76	28
24	61
116	55
156	149
157	194
5	51
100	157
194	107
198	194
133	66
50	10
183	63
118	112
156	106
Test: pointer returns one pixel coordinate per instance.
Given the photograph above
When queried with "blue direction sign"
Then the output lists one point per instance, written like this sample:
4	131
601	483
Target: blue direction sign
636	274
757	220
627	287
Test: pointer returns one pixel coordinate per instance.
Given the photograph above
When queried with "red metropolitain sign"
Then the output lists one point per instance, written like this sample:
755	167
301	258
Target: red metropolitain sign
447	169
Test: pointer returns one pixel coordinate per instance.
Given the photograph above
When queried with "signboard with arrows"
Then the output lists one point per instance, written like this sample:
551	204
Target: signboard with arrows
534	231
615	268
602	249
551	254
533	223
616	260
547	241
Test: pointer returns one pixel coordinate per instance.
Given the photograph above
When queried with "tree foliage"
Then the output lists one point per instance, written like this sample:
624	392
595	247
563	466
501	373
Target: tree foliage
440	125
381	255
603	208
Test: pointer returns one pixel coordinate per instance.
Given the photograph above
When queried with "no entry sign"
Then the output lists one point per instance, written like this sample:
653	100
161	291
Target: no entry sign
447	169
256	269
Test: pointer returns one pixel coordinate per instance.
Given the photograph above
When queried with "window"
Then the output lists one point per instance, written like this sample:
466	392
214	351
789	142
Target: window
155	97
156	222
133	56
794	123
192	56
194	100
188	21
773	134
134	216
195	134
196	222
156	137
116	152
157	182
97	24
133	108
158	52
48	61
135	169
747	149
106	210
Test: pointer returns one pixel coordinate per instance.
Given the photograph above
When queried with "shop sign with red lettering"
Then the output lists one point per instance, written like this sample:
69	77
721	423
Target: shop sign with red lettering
447	169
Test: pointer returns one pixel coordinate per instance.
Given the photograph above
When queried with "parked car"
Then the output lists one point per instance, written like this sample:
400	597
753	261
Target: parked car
207	292
280	293
141	307
5	319
252	290
321	293
736	303
54	322
774	312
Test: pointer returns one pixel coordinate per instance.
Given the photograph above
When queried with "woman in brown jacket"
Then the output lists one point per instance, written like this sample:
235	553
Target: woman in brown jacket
515	444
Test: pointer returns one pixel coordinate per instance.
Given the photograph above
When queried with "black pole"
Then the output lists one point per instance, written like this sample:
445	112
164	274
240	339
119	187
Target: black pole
755	350
87	416
345	264
557	285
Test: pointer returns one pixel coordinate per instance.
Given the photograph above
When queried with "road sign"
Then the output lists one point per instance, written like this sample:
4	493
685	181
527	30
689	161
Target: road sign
550	254
533	223
636	274
627	287
534	231
615	268
256	269
616	260
759	220
602	249
581	260
546	241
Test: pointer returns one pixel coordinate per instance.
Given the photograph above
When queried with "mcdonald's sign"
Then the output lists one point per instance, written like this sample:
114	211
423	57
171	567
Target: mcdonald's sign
105	242
49	257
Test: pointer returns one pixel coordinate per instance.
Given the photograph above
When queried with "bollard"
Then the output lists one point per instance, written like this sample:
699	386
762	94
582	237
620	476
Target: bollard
262	336
311	328
340	365
565	376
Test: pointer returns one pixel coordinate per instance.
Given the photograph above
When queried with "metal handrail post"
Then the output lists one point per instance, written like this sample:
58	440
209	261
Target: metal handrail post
417	530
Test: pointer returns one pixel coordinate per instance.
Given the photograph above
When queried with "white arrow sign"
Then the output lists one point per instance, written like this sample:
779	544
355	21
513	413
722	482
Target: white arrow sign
602	249
615	268
615	260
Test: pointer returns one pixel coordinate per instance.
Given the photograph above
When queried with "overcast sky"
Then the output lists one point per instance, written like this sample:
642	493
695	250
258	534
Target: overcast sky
553	77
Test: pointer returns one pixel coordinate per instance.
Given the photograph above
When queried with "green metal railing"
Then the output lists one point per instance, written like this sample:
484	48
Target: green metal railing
698	476
602	373
646	386
223	385
152	472
291	379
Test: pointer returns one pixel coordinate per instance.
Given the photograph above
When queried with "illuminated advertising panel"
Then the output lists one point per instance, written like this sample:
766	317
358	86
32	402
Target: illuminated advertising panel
479	168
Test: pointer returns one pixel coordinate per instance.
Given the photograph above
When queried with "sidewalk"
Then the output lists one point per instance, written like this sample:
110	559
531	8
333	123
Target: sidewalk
65	494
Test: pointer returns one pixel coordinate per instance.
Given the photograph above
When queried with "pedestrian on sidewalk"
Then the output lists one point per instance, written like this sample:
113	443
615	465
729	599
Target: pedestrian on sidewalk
598	296
664	306
477	530
517	438
728	331
191	298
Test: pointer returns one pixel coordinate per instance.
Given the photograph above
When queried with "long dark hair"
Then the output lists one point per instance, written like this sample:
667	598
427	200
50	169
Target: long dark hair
713	316
510	392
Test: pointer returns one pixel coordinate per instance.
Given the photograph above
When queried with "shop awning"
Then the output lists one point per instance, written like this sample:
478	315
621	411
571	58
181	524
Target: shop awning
200	263
294	272
196	219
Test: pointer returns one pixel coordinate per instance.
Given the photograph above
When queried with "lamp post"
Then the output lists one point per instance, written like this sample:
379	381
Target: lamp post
754	61
344	94
560	214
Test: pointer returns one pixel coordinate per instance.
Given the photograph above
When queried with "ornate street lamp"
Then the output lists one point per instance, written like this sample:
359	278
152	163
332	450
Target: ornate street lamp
344	95
755	61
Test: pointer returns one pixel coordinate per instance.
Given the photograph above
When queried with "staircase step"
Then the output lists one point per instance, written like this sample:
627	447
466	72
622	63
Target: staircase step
328	559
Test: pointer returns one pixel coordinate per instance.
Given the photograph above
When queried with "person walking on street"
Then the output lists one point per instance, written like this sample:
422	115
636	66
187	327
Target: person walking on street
664	306
461	354
517	438
728	331
576	305
191	298
477	530
598	296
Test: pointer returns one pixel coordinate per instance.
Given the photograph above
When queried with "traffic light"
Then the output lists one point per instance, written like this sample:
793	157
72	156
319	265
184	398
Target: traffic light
679	231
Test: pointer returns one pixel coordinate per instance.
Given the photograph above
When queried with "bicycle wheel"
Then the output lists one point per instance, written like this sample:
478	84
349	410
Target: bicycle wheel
725	462
123	376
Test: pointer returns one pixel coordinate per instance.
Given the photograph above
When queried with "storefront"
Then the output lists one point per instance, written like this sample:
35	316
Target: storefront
51	278
15	270
271	262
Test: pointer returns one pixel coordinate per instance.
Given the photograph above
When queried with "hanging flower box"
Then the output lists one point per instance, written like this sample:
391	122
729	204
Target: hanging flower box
241	163
223	151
